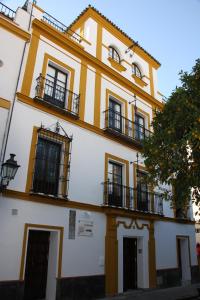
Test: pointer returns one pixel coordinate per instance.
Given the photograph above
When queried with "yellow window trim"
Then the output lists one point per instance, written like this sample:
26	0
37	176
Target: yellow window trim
116	65
48	58
14	29
5	103
32	154
143	114
139	81
57	38
110	157
27	227
117	97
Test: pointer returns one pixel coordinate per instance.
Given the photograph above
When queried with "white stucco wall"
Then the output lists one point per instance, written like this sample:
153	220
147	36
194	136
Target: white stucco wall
81	257
166	251
11	63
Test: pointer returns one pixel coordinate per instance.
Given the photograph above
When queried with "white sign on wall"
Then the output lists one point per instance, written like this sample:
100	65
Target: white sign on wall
85	228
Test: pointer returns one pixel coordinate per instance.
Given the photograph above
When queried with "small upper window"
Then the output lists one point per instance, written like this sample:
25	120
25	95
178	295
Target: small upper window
114	54
136	71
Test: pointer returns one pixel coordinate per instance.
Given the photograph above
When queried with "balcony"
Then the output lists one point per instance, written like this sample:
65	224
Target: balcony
125	129
116	195
7	12
57	97
61	27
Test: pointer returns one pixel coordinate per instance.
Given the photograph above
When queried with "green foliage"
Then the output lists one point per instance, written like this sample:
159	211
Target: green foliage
172	153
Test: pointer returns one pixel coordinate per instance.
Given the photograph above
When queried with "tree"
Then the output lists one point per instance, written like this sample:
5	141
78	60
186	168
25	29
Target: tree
172	153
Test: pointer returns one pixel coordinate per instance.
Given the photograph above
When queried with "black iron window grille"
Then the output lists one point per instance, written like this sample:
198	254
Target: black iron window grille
136	71
51	90
52	162
118	195
114	54
118	125
6	11
61	27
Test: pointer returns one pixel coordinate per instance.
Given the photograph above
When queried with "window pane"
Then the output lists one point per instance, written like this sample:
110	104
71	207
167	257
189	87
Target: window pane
61	77
51	71
47	164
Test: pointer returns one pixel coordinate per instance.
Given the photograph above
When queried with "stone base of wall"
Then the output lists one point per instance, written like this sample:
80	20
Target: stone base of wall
195	274
81	288
168	278
75	288
11	290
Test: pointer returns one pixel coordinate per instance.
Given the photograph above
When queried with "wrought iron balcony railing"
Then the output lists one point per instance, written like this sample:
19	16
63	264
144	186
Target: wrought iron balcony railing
54	95
6	11
117	195
118	125
61	27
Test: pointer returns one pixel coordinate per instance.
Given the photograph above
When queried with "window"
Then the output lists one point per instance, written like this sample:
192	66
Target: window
136	71
47	167
142	192
115	115
52	161
114	54
115	188
139	127
55	90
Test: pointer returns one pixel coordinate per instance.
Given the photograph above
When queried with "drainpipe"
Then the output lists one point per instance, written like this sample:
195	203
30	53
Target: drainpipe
8	123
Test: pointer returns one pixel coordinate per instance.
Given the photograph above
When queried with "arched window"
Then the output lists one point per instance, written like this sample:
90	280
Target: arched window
136	71
114	54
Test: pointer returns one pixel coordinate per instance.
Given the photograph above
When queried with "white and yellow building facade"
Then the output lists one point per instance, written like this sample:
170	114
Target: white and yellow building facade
75	105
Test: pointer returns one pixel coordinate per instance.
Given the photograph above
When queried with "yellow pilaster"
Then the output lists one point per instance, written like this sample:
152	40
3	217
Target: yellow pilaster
111	256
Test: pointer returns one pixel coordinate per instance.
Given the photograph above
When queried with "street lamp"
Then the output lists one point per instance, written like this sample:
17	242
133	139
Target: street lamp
8	172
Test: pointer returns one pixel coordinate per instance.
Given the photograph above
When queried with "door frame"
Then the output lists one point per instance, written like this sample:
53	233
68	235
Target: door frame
27	227
185	238
136	251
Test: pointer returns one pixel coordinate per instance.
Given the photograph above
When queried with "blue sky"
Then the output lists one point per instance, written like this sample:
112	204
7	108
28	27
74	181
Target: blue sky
167	29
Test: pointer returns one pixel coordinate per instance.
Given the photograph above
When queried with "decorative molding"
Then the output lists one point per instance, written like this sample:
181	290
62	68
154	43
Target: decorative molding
5	103
14	29
139	81
133	225
116	65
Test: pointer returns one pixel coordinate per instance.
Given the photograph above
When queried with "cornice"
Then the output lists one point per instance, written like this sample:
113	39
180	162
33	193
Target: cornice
13	28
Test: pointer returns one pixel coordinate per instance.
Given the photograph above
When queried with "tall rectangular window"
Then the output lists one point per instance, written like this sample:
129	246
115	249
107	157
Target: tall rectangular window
115	188
51	154
139	127
142	192
47	163
115	115
55	87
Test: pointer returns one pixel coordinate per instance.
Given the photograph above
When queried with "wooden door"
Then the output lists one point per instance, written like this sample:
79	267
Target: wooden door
36	265
129	263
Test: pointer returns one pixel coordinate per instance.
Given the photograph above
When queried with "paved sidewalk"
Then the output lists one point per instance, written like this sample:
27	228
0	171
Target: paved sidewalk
175	293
